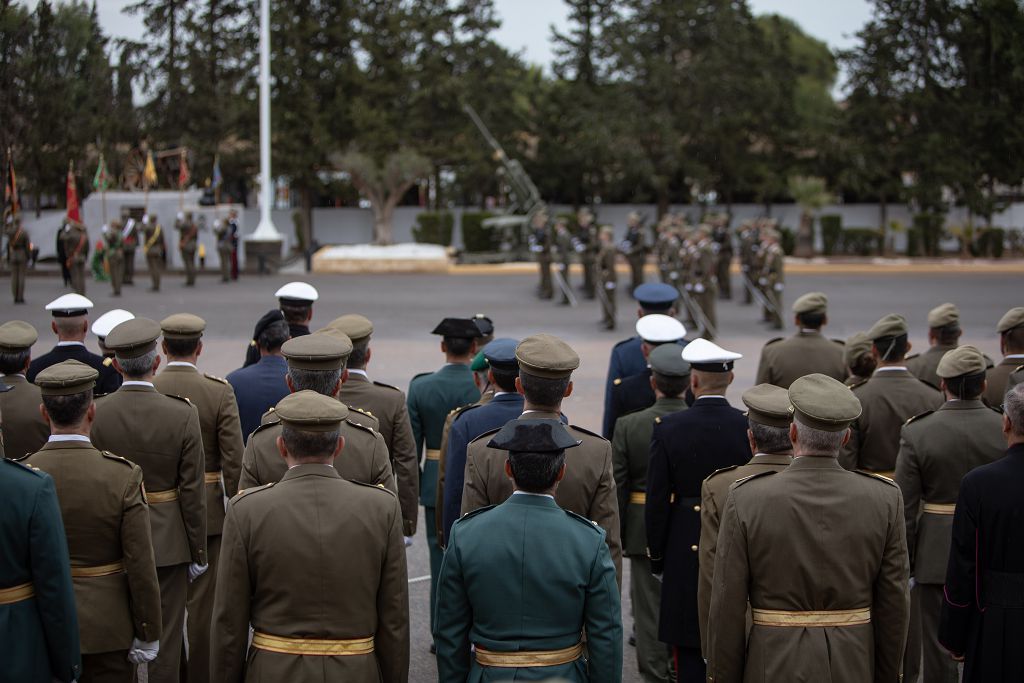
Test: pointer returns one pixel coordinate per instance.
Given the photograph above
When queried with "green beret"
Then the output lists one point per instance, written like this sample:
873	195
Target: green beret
945	314
813	302
544	355
68	377
479	363
857	346
821	402
182	326
17	336
354	326
133	338
667	360
892	325
1013	318
317	351
309	411
963	360
768	404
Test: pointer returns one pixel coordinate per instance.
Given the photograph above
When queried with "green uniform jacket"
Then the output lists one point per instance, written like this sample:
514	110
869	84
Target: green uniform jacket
936	450
39	635
888	400
998	378
24	429
318	557
783	361
431	397
527	575
107	520
713	494
924	366
631	449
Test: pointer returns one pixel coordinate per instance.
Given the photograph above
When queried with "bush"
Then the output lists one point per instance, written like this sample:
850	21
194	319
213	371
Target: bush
929	230
990	242
787	240
861	241
434	227
475	237
831	232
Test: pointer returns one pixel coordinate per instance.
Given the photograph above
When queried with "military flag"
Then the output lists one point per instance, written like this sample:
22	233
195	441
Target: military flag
101	181
11	188
183	173
149	173
218	179
72	194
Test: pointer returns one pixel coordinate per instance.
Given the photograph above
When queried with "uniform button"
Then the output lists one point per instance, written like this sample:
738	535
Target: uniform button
693	548
696	508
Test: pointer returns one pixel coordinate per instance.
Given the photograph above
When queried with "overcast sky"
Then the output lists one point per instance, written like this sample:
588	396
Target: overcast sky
526	23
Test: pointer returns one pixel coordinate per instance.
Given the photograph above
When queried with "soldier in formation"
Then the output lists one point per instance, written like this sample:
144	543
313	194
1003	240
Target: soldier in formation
701	278
784	360
19	251
540	246
605	276
564	249
130	240
261	385
113	252
75	240
24	430
295	301
943	335
857	358
723	239
154	247
188	242
771	278
222	234
70	324
585	243
634	247
1011	344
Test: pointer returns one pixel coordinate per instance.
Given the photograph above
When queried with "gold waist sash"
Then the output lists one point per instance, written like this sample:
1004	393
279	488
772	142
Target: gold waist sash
938	508
312	646
840	617
9	596
528	658
162	496
638	498
99	570
212	477
433	454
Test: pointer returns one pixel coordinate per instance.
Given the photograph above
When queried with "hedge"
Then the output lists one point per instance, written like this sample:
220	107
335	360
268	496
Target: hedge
434	227
831	232
475	237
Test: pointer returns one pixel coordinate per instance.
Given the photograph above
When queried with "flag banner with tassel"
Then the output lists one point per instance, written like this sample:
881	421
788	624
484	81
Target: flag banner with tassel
149	174
218	179
11	187
101	181
183	173
72	193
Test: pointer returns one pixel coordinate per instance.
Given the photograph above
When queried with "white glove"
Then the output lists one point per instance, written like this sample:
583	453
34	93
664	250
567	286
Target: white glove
195	570
143	652
580	248
699	288
609	285
408	541
913	582
674	275
762	280
779	287
688	287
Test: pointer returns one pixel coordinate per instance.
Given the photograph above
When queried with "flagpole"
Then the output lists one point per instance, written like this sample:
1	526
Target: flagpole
181	181
103	188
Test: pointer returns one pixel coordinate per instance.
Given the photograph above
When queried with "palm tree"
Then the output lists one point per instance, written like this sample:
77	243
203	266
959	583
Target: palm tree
811	194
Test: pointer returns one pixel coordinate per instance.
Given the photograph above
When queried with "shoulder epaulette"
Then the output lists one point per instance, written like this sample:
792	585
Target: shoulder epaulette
216	379
841	342
242	493
911	356
744	480
389	386
657	420
422	374
928	384
721	470
474	513
365	428
859	384
462	409
265	425
587	431
107	362
4	388
617	381
375	487
361	410
996	409
586	522
918	417
110	456
25	466
624	341
180	398
488	433
1017	369
772	341
877	477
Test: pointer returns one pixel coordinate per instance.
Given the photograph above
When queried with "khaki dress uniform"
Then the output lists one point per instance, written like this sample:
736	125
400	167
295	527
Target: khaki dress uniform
164	437
106	519
784	360
563	253
636	253
923	366
24	429
540	246
76	248
998	378
130	235
114	254
19	249
588	488
820	555
188	242
703	277
607	279
153	247
772	281
587	247
224	247
222	447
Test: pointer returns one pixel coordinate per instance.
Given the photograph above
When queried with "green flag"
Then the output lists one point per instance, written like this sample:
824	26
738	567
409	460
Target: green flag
101	181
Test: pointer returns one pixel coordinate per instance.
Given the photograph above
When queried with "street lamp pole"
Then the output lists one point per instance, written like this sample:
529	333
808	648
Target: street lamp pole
265	231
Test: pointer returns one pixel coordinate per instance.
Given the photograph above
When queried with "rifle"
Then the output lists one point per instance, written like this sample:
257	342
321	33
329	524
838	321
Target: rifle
756	292
563	285
698	313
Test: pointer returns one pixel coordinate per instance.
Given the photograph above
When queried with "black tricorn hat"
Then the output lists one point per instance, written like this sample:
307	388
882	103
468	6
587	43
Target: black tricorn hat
533	436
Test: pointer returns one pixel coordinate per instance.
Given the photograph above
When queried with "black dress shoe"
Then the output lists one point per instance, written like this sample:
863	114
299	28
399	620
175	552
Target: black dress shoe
433	649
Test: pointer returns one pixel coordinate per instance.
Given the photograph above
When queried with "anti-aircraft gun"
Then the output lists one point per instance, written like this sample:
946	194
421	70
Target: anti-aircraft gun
511	227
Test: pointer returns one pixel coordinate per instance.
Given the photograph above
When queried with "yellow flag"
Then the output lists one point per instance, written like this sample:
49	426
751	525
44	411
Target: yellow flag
149	174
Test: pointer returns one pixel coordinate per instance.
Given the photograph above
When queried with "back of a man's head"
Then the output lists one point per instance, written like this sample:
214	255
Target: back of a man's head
891	349
535	472
138	367
814	441
544	391
309	446
1013	409
271	338
769	439
67	410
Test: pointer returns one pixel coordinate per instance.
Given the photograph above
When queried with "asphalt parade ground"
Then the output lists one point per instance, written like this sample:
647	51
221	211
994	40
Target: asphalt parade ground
405	307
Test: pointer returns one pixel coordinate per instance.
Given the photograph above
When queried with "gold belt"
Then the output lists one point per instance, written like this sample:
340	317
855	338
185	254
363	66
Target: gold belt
99	570
638	498
162	496
9	596
312	646
938	508
528	658
433	454
212	477
839	617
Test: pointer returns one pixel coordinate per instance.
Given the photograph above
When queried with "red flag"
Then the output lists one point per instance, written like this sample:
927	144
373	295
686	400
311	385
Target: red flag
183	174
11	188
73	212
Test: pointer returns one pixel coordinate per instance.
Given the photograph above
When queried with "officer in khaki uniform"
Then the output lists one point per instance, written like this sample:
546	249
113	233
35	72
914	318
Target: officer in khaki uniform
153	247
631	447
327	596
943	335
635	248
586	245
546	364
889	399
222	448
703	276
772	275
522	580
317	362
19	249
387	404
769	418
606	277
113	254
222	233
936	450
107	524
1011	345
784	360
188	242
24	430
76	249
857	358
820	556
163	436
540	247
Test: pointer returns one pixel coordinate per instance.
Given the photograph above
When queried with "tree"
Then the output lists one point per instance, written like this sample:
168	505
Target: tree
384	184
811	194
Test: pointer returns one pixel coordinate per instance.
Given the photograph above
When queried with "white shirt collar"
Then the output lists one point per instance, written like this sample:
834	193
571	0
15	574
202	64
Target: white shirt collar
353	371
70	343
182	363
322	464
891	367
1015	355
710	396
68	437
502	393
135	383
527	493
14	374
